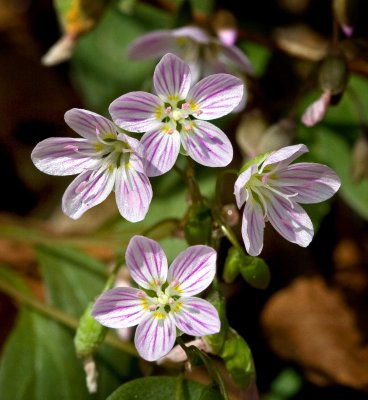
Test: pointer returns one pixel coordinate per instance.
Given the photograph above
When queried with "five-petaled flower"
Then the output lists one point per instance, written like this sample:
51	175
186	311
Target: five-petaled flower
164	300
205	54
178	115
272	189
105	160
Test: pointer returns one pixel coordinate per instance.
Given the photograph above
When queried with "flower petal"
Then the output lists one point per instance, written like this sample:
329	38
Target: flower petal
215	96
147	262
87	123
240	191
207	144
121	307
316	111
312	182
64	156
196	317
133	192
192	32
155	336
172	78
87	190
137	111
253	227
231	55
162	150
290	220
151	45
193	270
286	155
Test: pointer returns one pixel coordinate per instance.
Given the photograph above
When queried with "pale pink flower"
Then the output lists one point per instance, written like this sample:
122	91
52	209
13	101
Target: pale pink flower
164	300
204	54
316	111
271	188
178	115
105	160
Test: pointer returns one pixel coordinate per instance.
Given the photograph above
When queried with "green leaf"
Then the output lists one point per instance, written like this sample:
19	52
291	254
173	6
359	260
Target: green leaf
72	280
101	69
158	388
355	194
238	359
39	357
211	392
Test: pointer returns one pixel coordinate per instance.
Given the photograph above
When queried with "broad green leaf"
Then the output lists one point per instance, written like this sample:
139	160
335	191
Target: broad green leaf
238	359
101	69
158	388
73	279
330	148
39	357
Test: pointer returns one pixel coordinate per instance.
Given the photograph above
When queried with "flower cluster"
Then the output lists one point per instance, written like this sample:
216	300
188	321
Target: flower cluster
175	119
164	300
107	159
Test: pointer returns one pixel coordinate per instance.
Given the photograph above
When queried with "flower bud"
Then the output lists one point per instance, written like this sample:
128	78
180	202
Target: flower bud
346	13
90	334
198	225
334	73
225	26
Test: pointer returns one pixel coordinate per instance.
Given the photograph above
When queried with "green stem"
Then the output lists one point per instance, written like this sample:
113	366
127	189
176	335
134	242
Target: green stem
194	191
212	370
227	231
173	221
60	316
219	182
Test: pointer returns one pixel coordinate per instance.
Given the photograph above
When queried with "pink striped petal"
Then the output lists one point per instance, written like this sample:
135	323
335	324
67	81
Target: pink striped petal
87	123
286	155
253	227
193	270
162	150
241	193
155	336
207	144
215	96
196	317
133	192
86	191
121	307
64	156
137	111
192	32
290	220
312	182
172	78
151	45
147	262
231	55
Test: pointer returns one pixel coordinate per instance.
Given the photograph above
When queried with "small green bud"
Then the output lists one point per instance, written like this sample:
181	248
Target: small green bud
198	226
334	73
90	334
232	262
254	270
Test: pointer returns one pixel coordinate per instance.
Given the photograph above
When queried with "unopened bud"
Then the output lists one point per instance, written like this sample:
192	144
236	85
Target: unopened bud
230	214
346	12
317	110
225	26
90	334
334	73
177	354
